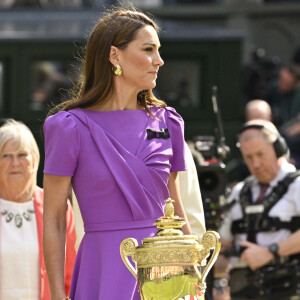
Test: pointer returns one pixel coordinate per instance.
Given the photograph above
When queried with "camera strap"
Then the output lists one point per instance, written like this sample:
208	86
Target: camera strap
255	216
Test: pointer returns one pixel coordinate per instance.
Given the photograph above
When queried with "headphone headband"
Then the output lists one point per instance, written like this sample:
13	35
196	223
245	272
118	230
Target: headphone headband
279	144
257	126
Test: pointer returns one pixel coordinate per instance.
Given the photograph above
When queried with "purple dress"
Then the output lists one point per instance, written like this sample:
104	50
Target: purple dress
119	174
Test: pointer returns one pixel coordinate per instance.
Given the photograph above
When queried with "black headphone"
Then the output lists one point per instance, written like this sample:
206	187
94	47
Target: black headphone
279	144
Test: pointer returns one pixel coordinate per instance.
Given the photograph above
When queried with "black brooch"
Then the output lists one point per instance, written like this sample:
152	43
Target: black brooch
159	134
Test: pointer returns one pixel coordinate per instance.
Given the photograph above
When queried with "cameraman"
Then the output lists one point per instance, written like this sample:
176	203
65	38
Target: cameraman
263	220
283	94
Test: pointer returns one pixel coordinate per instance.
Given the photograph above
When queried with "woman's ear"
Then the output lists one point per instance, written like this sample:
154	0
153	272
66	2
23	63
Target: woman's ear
114	55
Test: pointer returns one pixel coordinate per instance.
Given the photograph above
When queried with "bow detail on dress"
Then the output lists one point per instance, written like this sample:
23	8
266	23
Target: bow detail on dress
159	134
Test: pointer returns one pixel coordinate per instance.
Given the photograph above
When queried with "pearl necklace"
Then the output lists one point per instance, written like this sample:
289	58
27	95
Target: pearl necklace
18	217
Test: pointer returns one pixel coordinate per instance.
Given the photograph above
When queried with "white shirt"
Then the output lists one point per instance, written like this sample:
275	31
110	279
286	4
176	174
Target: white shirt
286	208
191	196
19	254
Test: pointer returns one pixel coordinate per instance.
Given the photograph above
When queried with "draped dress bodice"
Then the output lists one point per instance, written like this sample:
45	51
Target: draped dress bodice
119	175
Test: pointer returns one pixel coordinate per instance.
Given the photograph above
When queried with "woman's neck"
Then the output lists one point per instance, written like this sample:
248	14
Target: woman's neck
16	194
112	105
120	99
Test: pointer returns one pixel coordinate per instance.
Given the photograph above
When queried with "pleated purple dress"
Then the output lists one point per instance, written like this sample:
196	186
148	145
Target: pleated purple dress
120	162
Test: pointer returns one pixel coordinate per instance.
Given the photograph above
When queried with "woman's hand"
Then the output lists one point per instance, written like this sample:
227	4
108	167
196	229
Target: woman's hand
173	187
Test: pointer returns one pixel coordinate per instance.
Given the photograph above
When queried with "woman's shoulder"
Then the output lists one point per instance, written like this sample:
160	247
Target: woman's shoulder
60	118
169	111
173	116
62	122
169	116
38	194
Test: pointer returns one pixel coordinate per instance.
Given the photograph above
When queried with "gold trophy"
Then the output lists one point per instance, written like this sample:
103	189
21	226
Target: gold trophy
171	265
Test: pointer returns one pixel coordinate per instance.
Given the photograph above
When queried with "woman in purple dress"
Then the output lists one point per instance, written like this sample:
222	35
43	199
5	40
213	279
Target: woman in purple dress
121	149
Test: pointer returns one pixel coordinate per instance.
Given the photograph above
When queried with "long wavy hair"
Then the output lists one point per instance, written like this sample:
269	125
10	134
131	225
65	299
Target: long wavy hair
95	84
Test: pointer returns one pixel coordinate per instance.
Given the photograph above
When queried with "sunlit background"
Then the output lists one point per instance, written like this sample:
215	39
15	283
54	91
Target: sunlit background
237	45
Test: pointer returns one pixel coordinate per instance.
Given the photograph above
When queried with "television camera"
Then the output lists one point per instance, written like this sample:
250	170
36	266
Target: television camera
261	70
211	171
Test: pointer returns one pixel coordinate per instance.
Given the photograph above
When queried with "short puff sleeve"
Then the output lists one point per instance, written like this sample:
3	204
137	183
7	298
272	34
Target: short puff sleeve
176	129
62	144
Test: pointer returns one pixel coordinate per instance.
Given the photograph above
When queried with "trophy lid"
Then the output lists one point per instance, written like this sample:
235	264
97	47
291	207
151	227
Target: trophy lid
169	224
169	230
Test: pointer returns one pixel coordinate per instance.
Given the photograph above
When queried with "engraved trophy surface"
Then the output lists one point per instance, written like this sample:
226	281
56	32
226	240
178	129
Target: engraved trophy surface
171	265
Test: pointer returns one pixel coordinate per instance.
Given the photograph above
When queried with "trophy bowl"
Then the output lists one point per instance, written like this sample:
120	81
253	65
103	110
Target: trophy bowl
171	265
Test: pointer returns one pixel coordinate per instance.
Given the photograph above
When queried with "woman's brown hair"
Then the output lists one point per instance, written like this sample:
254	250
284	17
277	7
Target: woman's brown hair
96	81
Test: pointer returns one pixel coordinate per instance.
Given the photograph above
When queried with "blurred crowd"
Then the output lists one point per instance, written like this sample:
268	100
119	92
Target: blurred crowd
260	230
279	85
7	4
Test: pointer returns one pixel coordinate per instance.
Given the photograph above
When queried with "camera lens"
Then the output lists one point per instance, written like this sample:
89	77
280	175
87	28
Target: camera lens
208	181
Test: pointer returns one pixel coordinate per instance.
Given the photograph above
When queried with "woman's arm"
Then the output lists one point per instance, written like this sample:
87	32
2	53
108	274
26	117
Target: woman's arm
173	187
70	247
56	190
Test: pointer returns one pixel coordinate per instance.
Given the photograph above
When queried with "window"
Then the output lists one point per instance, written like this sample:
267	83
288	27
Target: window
178	83
51	81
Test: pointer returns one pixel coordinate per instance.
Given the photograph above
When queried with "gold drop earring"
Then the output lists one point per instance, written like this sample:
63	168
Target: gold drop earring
118	71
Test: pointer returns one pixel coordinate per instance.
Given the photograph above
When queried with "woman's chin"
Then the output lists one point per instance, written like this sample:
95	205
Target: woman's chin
149	86
153	84
17	179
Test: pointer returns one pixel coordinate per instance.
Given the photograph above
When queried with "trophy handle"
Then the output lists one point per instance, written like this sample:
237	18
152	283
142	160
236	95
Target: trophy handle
210	240
127	248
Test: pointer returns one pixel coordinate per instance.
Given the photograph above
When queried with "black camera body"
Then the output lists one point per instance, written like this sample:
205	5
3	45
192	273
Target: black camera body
212	181
277	281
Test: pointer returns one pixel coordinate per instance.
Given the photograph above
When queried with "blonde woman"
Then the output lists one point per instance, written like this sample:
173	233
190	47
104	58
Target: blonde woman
22	269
